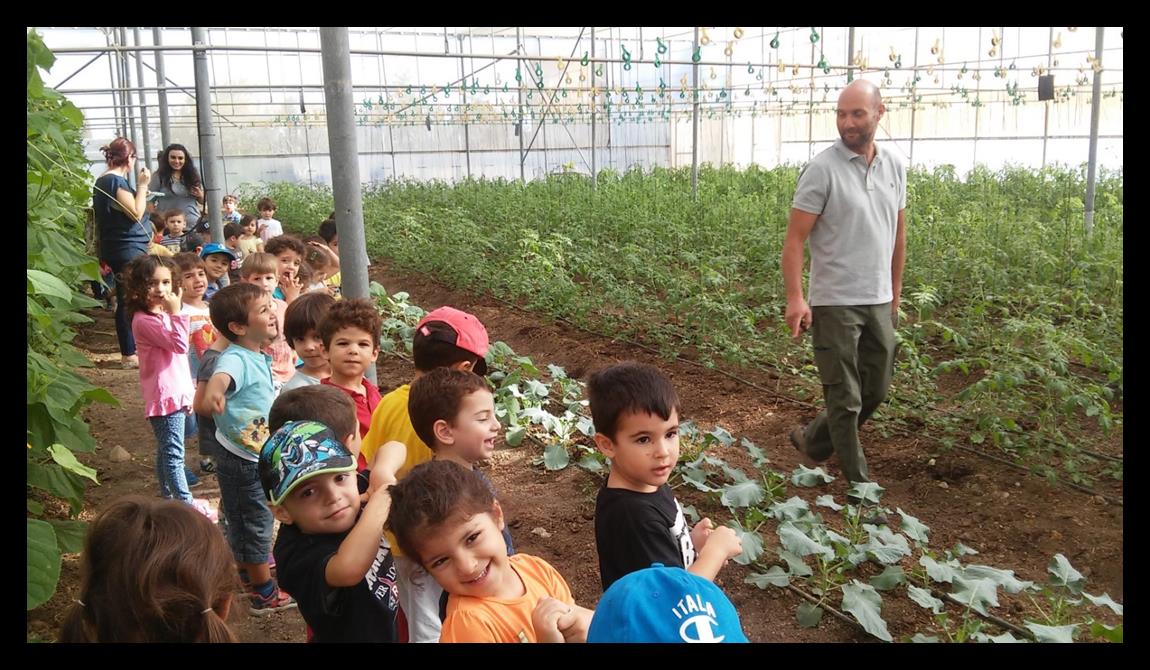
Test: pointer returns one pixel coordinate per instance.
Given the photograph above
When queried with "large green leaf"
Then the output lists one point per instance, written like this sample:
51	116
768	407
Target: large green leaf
913	528
809	615
1004	578
555	457
590	463
752	545
940	572
885	546
976	593
1113	634
924	639
43	562
774	576
793	509
865	604
69	534
828	500
743	494
794	540
1104	601
42	283
758	458
1064	634
796	566
888	579
67	460
57	481
1065	574
924	598
515	436
807	477
866	491
1005	638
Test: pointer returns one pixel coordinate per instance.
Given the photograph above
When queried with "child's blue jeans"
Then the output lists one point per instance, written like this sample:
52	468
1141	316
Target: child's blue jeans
169	432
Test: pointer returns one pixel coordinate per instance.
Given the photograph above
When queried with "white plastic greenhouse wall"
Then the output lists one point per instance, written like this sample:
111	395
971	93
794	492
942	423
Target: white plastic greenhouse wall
759	103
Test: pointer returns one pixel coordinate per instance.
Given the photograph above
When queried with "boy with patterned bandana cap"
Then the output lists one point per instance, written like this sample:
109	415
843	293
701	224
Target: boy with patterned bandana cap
330	549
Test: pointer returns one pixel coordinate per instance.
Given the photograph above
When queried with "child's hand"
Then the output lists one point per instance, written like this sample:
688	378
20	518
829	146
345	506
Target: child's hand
545	619
291	287
215	402
172	301
574	623
701	532
726	538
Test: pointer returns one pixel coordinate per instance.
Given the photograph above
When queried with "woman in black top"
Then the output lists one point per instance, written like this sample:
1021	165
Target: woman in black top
178	180
121	226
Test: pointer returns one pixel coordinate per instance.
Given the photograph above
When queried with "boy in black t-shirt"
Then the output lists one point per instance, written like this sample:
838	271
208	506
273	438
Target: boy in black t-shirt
330	548
638	521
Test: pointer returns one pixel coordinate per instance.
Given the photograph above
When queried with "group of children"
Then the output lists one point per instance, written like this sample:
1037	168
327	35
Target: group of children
389	531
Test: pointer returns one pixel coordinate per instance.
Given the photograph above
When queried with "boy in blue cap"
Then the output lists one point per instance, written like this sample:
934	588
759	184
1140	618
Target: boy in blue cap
217	261
661	604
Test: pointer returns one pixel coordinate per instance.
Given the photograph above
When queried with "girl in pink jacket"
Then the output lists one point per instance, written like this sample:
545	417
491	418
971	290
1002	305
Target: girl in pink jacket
161	333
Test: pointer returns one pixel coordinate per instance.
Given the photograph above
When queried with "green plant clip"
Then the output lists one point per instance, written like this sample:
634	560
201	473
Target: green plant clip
599	70
698	55
662	47
775	41
538	70
518	75
814	36
584	60
898	63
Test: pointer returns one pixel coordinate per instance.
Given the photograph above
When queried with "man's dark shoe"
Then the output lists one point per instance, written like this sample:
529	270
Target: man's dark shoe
799	442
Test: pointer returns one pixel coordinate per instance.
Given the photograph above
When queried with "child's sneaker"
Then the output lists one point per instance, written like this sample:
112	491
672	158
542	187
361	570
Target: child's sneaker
193	480
278	601
207	465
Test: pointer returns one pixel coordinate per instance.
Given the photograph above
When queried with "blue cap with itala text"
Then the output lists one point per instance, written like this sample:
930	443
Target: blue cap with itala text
661	604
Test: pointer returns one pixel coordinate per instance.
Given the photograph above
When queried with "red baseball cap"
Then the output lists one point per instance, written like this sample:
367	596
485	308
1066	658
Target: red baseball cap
469	334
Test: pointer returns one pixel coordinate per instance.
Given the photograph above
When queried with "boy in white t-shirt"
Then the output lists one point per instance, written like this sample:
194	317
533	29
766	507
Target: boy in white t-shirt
268	226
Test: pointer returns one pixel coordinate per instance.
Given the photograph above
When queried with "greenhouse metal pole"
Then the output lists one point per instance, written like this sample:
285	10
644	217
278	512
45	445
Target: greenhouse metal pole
344	151
695	123
1095	114
594	167
165	123
209	158
390	130
811	107
463	88
114	81
519	85
1047	103
143	99
129	103
851	54
913	94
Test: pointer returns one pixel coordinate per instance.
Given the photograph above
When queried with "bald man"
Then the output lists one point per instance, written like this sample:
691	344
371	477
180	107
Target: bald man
850	203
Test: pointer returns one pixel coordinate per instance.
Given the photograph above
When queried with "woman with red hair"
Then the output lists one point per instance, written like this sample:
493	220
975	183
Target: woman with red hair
122	228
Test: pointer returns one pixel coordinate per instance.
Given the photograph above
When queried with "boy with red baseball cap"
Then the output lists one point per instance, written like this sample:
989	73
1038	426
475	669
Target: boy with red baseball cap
445	338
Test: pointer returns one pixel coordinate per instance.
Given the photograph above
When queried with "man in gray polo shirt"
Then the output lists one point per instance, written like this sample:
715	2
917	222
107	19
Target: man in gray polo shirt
850	201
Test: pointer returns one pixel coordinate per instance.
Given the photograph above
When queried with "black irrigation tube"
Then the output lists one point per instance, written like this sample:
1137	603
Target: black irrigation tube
781	396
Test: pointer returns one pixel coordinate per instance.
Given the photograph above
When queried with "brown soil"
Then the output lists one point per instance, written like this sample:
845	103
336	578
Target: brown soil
1016	521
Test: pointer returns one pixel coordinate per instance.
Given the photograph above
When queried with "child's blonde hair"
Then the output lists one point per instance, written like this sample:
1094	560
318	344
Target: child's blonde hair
259	263
152	570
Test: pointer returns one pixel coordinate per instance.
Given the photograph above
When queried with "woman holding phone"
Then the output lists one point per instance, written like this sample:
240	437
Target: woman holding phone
122	227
